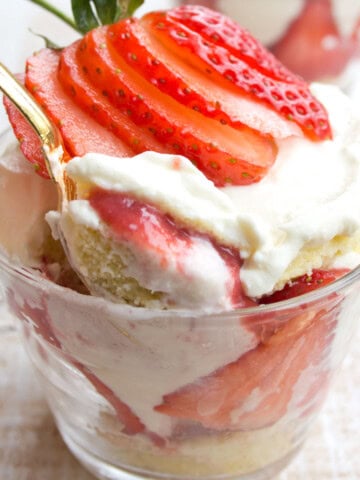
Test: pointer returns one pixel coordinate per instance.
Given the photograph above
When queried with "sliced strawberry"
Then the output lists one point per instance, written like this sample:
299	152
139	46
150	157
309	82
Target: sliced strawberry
298	286
80	133
312	45
42	325
156	235
144	54
223	31
305	284
96	104
132	423
30	144
236	72
223	154
256	390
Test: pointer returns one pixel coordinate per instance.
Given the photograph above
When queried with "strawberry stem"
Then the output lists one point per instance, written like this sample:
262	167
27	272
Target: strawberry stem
58	13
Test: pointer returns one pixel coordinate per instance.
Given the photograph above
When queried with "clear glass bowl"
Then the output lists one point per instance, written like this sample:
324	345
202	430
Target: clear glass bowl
140	393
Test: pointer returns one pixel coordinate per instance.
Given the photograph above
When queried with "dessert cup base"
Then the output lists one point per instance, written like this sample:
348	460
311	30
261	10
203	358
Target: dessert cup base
107	471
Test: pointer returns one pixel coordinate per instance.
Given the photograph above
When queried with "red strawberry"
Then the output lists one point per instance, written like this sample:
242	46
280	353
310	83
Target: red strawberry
39	318
131	422
305	284
255	390
189	87
223	31
224	155
296	287
96	104
187	81
312	46
217	57
74	125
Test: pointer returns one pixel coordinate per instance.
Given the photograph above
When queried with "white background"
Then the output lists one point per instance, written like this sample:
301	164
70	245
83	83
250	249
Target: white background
17	42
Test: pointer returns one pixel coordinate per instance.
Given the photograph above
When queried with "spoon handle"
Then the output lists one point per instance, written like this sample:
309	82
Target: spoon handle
23	100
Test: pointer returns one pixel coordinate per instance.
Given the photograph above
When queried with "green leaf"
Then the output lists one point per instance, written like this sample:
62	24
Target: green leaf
106	10
84	15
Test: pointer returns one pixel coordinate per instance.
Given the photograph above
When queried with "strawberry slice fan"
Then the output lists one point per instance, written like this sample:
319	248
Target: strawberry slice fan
187	81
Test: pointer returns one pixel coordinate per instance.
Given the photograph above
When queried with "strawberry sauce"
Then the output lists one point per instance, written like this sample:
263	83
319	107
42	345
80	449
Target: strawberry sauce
146	227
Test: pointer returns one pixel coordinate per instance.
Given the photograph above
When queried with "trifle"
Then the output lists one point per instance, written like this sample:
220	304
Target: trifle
189	305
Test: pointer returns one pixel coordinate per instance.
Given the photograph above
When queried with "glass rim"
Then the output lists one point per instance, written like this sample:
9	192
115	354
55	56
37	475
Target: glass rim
31	276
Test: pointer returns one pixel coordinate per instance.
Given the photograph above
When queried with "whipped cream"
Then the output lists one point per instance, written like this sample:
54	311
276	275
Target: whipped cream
170	182
310	196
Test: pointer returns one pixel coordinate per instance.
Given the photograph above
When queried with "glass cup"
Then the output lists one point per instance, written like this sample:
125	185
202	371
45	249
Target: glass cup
139	393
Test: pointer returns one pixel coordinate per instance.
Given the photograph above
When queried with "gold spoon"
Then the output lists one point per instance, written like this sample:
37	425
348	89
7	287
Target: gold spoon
55	155
51	143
